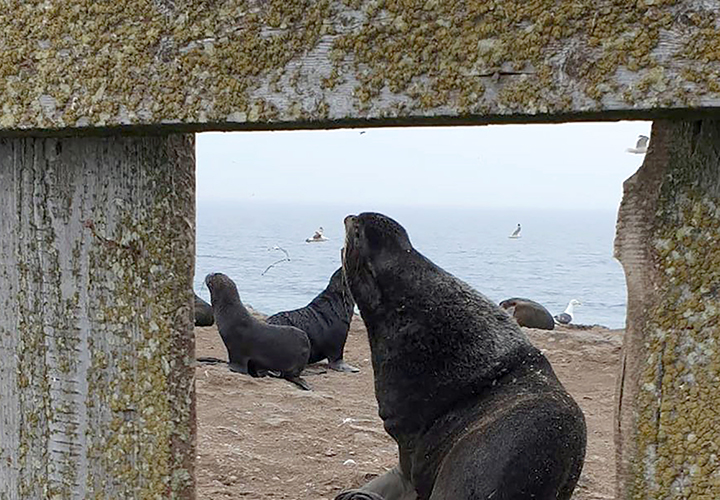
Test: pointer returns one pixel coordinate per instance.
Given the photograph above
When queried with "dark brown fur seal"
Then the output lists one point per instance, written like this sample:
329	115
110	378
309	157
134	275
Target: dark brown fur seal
529	313
203	313
253	346
476	410
326	321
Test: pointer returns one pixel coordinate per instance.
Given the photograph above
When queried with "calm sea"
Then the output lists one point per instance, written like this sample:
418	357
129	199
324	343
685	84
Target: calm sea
561	255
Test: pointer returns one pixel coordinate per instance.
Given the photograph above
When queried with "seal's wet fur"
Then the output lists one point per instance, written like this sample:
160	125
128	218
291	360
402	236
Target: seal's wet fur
253	346
476	410
326	321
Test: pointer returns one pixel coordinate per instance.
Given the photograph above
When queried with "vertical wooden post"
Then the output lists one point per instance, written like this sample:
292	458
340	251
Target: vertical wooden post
668	240
96	336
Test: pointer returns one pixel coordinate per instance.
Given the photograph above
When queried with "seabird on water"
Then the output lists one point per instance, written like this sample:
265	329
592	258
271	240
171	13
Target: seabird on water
516	233
641	146
566	317
317	237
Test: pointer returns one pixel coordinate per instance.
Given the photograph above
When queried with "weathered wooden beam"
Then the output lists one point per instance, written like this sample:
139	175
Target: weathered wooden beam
96	335
668	400
192	64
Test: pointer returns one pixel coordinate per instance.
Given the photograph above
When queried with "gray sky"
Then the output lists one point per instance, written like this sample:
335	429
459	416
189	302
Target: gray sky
579	165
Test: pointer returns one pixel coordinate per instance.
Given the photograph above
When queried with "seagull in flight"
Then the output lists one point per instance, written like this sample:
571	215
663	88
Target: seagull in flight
641	146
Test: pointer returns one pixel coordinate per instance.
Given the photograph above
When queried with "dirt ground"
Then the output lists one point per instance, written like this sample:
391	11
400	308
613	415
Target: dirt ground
266	439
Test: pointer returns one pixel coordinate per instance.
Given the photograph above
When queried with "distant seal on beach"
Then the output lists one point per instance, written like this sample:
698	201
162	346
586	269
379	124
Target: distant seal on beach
253	346
529	313
203	313
326	321
475	408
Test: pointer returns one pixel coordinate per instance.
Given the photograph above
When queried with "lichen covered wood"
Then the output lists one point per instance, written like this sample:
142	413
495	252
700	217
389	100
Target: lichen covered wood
96	334
244	63
668	240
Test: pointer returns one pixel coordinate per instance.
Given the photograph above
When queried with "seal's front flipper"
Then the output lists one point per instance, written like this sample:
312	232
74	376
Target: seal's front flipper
358	495
390	486
299	382
340	365
238	368
210	360
313	371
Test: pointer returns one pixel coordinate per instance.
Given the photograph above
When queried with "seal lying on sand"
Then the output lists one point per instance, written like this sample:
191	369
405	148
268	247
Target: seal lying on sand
203	313
528	313
253	346
476	410
326	321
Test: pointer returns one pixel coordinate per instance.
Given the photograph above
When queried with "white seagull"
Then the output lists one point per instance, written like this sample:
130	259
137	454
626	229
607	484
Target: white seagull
641	146
567	317
317	237
516	233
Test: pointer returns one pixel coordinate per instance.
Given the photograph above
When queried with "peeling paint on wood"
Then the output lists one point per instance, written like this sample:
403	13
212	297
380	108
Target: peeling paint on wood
668	413
232	64
96	333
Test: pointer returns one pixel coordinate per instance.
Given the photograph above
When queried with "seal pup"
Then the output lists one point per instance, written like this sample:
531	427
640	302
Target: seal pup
253	346
326	321
528	313
203	313
476	410
566	317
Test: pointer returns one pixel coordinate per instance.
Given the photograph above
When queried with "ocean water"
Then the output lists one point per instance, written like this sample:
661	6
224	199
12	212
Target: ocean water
562	254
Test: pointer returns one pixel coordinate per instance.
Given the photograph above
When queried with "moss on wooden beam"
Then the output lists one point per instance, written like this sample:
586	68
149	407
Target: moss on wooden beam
245	64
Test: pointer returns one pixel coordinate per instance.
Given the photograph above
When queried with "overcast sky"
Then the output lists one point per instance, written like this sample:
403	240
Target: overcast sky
579	165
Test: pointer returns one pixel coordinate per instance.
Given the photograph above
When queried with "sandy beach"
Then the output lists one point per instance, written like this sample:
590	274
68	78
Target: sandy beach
266	439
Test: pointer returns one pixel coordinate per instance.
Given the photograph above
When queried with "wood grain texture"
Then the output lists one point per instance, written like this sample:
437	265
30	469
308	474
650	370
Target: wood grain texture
667	418
96	332
249	64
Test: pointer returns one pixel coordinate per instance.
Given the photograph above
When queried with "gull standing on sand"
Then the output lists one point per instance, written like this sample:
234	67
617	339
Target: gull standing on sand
567	317
641	146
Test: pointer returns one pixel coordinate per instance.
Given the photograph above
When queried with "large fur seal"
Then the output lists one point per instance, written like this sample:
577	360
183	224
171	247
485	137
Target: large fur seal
253	346
476	410
326	321
203	313
529	313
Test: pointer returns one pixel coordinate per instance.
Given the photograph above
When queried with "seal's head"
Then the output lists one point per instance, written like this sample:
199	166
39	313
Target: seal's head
509	306
374	243
222	288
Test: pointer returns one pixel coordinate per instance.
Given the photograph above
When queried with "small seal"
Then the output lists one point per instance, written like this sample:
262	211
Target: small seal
475	408
253	346
528	313
203	313
326	321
